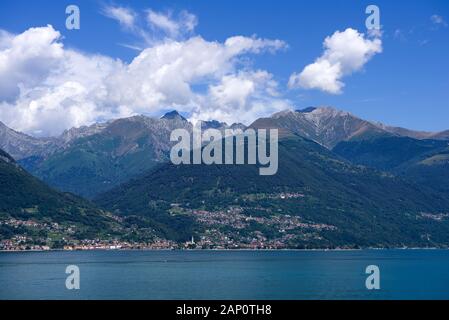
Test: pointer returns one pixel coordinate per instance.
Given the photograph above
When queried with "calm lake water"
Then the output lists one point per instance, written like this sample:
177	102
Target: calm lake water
404	274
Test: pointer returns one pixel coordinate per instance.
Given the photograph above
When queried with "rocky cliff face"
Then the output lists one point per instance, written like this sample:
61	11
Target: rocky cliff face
324	125
329	126
20	145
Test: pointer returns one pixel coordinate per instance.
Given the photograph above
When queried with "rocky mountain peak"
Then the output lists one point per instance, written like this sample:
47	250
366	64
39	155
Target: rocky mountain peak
213	124
83	131
324	125
306	110
20	145
173	115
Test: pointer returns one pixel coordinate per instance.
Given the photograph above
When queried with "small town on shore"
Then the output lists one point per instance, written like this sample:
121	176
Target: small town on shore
22	243
228	228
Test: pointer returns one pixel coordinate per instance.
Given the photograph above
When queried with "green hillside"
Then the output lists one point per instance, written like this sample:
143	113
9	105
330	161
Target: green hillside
123	149
425	162
25	198
357	206
99	162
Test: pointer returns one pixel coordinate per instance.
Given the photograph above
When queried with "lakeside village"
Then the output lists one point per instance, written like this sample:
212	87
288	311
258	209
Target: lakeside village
222	229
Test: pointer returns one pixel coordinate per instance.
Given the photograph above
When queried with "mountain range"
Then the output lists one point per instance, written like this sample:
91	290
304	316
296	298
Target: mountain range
92	159
342	181
329	126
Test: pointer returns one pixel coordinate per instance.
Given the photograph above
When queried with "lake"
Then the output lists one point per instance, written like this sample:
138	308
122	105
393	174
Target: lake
404	274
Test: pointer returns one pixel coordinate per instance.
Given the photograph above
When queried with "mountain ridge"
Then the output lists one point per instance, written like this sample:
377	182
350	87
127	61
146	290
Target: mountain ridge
92	159
313	122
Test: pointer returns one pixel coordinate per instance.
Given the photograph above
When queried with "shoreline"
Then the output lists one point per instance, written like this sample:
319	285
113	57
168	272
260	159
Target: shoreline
225	250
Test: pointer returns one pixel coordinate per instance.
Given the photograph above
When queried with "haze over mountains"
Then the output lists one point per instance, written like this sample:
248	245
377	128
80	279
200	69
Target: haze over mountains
342	181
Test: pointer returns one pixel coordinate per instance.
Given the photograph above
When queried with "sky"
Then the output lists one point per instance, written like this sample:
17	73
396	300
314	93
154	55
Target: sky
227	60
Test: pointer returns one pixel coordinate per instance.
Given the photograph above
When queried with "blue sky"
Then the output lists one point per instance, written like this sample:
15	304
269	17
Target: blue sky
407	84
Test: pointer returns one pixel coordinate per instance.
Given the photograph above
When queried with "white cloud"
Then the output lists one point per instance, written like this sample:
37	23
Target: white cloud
125	16
189	21
46	88
157	26
163	22
438	20
26	59
184	24
253	44
247	94
344	53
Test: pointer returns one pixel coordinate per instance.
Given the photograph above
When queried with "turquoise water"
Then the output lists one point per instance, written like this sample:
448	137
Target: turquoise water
404	274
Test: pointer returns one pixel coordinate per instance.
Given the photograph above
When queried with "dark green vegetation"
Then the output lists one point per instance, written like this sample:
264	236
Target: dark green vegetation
90	166
24	197
56	215
425	162
366	207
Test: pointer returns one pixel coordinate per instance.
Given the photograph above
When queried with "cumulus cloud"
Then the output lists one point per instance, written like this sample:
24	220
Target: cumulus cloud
26	59
46	88
344	53
248	94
